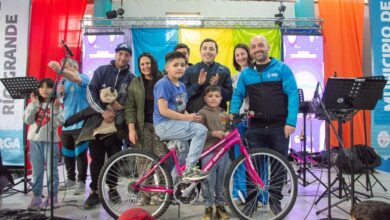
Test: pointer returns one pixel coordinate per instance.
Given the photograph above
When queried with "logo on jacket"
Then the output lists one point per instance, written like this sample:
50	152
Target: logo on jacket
269	75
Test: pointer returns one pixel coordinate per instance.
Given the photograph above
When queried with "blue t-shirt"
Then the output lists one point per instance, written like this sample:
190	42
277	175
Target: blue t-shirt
75	100
175	95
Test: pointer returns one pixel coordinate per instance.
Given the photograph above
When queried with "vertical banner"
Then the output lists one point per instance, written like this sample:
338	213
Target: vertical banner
305	56
380	37
14	32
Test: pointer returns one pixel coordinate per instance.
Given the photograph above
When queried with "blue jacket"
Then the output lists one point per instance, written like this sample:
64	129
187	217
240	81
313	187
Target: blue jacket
273	94
195	92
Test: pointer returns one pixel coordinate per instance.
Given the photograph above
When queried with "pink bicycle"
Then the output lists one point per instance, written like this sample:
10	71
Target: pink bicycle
260	184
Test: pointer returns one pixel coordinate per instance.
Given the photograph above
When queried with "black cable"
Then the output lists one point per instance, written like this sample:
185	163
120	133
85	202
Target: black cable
315	197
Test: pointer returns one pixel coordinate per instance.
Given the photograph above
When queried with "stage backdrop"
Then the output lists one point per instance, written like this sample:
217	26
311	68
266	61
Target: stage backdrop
304	54
14	23
380	37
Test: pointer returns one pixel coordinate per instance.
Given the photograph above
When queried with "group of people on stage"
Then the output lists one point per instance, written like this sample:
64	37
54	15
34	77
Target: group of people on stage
186	102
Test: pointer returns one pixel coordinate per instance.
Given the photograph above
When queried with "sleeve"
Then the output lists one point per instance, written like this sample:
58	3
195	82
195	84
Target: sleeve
204	122
239	95
130	105
59	117
93	92
291	90
84	80
161	91
193	88
227	88
29	113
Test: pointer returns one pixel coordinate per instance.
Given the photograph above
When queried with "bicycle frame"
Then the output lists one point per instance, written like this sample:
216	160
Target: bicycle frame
219	148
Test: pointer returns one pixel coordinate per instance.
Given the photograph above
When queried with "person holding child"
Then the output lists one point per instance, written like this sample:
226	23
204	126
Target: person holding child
40	145
217	122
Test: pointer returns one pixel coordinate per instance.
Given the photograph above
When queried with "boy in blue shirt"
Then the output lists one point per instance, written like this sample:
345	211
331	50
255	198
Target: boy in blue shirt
169	117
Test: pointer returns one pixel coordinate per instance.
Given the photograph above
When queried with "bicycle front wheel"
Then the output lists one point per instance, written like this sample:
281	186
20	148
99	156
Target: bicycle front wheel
122	171
275	199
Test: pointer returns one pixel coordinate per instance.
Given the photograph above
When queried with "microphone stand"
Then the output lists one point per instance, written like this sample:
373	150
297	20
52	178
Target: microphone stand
52	97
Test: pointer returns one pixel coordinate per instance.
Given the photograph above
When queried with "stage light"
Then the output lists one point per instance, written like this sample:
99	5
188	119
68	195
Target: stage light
114	13
280	16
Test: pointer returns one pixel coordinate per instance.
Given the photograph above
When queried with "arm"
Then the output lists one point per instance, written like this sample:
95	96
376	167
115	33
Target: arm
93	89
238	96
30	111
169	113
130	105
58	114
68	74
291	90
193	88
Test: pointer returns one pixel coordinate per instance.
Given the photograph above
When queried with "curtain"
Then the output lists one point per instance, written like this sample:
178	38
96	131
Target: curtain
343	50
51	22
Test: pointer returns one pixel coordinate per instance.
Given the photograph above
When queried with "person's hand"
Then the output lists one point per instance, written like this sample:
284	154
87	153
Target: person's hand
195	117
202	77
57	103
218	134
214	80
55	66
108	115
133	136
33	98
288	130
116	106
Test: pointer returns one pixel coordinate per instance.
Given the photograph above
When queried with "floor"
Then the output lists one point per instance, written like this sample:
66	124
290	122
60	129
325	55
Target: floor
71	206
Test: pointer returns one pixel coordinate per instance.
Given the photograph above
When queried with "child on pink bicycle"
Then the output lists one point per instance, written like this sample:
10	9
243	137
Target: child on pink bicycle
170	121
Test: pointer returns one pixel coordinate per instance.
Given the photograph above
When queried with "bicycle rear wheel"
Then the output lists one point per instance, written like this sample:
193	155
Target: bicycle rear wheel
127	167
275	200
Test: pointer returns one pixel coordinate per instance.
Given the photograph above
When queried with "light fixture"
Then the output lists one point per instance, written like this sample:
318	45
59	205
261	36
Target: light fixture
114	13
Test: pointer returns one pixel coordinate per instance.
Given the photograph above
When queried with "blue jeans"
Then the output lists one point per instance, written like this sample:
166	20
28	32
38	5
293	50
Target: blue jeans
39	152
213	186
184	131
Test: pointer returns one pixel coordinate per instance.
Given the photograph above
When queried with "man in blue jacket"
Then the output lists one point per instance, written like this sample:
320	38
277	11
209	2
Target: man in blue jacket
116	75
206	73
273	97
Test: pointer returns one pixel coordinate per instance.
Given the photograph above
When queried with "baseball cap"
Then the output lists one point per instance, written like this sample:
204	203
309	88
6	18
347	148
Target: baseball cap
123	46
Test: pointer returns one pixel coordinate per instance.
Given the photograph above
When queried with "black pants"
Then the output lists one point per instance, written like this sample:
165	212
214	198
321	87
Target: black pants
98	149
74	155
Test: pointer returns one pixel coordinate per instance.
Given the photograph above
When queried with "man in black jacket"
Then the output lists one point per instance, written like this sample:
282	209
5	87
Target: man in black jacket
116	75
206	73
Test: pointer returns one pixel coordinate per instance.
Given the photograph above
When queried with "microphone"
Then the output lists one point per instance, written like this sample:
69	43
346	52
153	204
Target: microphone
67	48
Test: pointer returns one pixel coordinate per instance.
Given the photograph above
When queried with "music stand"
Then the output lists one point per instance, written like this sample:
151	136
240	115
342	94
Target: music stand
353	94
21	88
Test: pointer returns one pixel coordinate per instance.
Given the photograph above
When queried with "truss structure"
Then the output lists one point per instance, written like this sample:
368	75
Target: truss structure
201	22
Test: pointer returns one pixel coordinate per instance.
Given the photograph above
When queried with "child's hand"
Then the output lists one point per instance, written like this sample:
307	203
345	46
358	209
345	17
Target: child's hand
33	97
195	117
57	103
218	134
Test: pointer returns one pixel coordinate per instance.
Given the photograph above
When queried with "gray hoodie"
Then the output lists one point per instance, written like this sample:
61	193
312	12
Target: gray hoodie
32	114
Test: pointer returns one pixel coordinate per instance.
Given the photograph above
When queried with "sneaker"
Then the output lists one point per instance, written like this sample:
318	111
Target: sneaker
69	184
193	174
92	200
208	213
275	207
80	189
114	196
48	202
35	202
156	200
221	212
